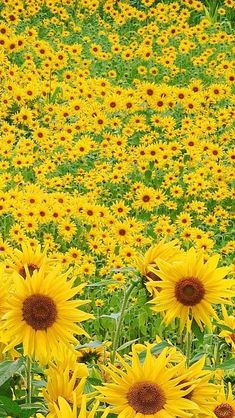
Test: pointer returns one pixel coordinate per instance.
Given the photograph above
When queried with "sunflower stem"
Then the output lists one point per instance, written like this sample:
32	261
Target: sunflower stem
216	354
28	380
120	320
188	341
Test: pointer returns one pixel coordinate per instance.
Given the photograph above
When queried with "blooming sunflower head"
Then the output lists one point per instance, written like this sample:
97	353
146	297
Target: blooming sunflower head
28	260
146	389
190	287
225	404
42	315
148	264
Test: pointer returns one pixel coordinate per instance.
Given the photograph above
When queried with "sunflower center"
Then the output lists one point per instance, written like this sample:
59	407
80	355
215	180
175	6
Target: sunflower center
146	398
224	410
39	311
152	275
232	336
189	291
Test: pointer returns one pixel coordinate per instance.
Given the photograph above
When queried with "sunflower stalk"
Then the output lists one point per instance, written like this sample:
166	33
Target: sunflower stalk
28	380
119	322
188	341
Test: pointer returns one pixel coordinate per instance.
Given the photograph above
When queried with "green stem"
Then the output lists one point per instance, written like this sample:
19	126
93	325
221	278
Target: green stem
28	380
120	321
216	354
188	341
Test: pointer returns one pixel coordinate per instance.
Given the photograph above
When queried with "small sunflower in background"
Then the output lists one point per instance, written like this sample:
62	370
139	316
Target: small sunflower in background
93	355
41	314
190	287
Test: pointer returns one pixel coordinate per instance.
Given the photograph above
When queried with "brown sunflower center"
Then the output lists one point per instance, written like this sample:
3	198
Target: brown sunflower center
224	410
189	291
31	268
232	336
152	275
39	311
146	398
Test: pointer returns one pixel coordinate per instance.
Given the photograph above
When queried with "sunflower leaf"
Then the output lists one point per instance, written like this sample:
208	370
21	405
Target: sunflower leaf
197	332
8	368
11	407
156	349
227	365
127	344
225	327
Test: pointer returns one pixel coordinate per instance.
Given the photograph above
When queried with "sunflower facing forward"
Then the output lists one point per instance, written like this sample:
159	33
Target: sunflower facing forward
225	405
41	316
190	287
147	390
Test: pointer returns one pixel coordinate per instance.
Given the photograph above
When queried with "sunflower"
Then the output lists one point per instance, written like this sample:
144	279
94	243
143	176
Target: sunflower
64	410
144	390
190	287
65	378
93	355
29	259
229	321
200	390
148	265
225	405
41	315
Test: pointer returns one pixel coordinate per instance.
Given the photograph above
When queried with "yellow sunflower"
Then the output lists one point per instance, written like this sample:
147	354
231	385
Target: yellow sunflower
148	264
225	405
190	287
64	410
29	259
200	390
66	379
146	390
229	321
41	315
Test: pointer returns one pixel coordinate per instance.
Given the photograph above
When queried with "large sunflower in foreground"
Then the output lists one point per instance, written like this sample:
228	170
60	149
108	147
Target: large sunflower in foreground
190	287
41	315
146	390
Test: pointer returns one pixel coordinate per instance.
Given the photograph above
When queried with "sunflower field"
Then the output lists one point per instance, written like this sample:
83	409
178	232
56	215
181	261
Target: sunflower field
117	127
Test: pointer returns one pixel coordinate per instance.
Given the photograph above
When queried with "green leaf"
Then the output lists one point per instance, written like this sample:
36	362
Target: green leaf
197	332
227	365
93	344
225	327
11	407
127	344
29	410
8	368
148	175
94	382
157	349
